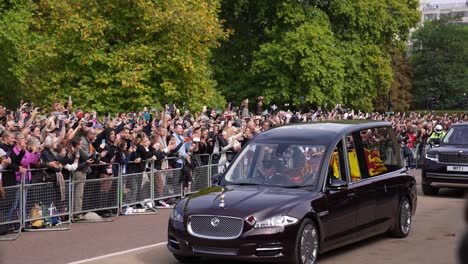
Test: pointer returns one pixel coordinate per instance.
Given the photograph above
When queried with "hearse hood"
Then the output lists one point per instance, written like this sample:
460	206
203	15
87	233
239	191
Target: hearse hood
243	201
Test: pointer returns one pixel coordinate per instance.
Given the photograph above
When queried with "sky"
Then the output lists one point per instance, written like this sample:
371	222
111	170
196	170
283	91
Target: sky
445	1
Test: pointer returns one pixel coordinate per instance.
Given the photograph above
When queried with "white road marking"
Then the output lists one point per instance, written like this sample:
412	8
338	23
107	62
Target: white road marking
118	253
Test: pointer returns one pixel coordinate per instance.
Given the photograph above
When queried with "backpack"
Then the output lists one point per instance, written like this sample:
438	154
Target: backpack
36	212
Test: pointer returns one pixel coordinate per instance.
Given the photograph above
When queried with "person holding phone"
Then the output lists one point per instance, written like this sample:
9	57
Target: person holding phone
107	156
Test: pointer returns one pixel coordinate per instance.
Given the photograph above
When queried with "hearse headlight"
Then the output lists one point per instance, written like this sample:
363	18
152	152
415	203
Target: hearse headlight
276	221
432	156
177	216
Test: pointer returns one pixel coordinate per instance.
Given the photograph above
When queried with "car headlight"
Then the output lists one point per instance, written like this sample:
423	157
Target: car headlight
177	216
276	221
432	156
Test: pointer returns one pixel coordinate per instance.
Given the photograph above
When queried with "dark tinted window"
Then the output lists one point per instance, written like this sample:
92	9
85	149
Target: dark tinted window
457	135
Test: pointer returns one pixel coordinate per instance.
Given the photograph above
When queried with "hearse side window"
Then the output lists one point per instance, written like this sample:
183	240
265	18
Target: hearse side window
353	158
381	151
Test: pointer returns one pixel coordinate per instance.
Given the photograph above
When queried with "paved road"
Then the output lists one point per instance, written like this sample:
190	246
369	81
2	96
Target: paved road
437	227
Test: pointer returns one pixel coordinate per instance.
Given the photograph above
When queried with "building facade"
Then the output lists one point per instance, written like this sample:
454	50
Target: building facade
433	9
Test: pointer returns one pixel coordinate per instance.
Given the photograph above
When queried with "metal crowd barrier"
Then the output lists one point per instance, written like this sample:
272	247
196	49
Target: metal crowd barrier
100	195
10	212
138	191
171	180
201	177
51	206
46	206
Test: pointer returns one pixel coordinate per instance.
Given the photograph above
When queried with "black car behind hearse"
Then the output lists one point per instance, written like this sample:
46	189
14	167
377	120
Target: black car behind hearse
296	191
445	163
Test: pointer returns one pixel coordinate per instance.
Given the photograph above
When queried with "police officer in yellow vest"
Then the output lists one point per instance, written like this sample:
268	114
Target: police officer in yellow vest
436	135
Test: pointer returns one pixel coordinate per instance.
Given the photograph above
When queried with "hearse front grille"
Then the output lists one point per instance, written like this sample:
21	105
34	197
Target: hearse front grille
215	227
216	251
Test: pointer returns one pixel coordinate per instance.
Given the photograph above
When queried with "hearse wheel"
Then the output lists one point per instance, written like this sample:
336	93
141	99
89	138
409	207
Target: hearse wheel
307	244
403	221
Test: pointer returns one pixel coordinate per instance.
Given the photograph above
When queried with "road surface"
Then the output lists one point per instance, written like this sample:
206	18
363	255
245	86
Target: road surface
437	228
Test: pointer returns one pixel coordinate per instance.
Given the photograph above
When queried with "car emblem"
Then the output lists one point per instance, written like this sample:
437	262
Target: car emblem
251	220
215	222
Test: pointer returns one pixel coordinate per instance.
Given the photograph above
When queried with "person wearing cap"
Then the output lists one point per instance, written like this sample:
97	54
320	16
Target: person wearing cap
436	135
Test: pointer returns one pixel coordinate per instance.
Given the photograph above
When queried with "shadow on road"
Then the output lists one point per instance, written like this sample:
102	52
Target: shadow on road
451	193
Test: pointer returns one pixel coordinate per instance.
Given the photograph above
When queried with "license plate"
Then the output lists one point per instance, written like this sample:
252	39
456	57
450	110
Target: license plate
457	168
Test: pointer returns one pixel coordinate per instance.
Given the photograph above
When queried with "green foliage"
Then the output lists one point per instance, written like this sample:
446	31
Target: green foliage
14	34
326	51
122	55
299	61
440	59
401	89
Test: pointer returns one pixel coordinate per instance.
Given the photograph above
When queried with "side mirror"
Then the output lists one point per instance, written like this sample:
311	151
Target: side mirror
437	141
215	178
337	184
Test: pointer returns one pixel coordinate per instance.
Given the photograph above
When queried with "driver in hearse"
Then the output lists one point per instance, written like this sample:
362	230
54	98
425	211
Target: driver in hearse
269	173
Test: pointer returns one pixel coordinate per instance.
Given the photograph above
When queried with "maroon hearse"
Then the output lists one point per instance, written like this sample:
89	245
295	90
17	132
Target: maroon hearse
447	165
296	191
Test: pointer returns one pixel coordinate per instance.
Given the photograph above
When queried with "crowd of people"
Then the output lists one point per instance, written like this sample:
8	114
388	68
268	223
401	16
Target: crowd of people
70	141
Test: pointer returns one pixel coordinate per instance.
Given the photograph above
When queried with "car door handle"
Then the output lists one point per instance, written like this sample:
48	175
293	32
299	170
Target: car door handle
351	195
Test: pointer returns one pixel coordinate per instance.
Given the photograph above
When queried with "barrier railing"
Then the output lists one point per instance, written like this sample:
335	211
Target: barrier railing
10	212
137	191
201	176
46	206
53	206
98	195
172	183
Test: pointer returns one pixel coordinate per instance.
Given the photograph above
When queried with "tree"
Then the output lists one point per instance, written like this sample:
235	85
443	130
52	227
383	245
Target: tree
327	51
400	95
440	59
14	34
113	56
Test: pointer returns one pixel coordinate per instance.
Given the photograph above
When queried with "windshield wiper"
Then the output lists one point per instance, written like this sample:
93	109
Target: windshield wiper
244	183
298	186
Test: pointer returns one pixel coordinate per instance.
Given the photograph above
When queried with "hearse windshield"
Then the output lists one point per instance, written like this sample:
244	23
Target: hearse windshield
457	135
276	164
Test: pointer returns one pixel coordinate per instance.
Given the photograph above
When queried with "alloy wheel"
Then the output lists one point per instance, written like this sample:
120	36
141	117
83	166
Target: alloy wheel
309	244
405	216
